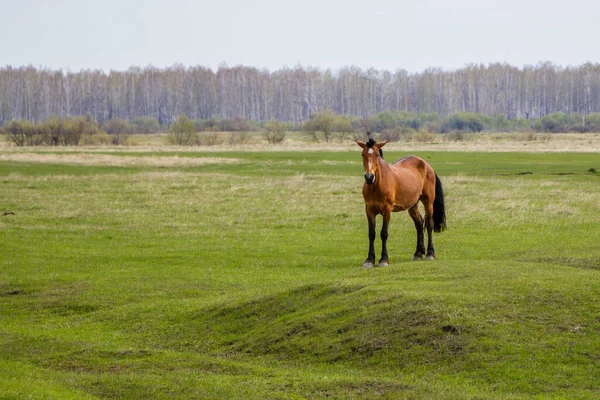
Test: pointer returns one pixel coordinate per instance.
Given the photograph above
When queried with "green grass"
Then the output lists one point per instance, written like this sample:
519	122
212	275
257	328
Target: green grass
243	280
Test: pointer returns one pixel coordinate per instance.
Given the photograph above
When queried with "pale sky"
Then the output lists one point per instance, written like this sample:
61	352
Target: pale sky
272	34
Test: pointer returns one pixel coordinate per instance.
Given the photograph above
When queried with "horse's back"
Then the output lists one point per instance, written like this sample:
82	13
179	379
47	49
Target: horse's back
421	170
414	163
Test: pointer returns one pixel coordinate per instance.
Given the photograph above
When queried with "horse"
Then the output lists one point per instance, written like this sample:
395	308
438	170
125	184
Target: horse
398	187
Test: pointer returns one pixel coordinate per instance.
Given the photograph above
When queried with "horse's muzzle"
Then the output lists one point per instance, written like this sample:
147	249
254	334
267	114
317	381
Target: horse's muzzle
370	178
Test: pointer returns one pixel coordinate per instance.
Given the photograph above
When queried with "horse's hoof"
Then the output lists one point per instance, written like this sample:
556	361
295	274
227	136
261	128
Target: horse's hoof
430	258
368	264
383	264
417	258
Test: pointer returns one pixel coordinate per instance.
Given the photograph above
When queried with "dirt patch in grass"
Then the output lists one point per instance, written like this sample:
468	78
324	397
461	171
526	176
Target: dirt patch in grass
114	161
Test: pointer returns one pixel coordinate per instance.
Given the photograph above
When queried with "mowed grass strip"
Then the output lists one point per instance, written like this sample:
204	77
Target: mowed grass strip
226	280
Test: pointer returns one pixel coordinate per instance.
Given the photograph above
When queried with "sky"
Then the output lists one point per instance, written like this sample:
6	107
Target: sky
274	34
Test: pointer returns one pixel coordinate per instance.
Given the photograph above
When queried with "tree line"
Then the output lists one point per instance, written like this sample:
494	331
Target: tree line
325	125
296	94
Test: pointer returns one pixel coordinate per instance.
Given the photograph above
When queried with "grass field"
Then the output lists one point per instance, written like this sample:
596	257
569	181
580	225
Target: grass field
236	274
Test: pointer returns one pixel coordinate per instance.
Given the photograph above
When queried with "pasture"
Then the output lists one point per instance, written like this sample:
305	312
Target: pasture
237	274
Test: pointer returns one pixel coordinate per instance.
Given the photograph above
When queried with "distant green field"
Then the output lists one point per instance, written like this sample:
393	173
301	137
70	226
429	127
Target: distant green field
162	275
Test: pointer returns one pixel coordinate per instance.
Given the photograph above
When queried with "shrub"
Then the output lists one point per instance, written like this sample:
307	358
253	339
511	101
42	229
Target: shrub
208	139
501	123
54	132
389	135
527	136
555	122
398	133
363	125
592	122
145	125
390	120
238	137
275	131
239	125
432	127
361	135
519	125
118	129
19	132
182	132
454	136
326	123
423	137
208	125
116	126
464	122
97	139
76	128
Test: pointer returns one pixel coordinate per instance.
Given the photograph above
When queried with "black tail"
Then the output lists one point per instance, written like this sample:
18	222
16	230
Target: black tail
439	210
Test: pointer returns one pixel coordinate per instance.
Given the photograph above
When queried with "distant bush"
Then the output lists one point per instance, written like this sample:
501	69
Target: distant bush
145	125
500	123
454	136
225	125
116	126
21	133
423	137
78	128
389	135
182	132
208	139
592	122
54	132
555	122
519	125
275	131
237	125
97	139
207	125
463	122
238	137
390	120
397	134
327	125
533	137
119	130
432	127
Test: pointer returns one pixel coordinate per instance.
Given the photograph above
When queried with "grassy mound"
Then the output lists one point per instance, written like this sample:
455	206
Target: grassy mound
211	279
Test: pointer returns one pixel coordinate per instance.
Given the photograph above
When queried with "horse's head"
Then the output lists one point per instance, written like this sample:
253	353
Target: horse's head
370	155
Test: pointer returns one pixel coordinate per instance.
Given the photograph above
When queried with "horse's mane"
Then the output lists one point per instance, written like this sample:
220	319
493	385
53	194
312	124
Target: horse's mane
372	143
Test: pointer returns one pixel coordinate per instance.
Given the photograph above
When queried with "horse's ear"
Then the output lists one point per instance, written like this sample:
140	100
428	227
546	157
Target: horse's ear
380	144
361	144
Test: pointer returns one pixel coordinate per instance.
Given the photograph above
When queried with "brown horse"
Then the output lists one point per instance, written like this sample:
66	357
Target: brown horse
398	187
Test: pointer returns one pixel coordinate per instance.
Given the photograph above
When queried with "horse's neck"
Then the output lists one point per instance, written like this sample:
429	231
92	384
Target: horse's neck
383	169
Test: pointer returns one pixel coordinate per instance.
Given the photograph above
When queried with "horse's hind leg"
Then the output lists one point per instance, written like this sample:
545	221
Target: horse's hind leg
428	205
418	220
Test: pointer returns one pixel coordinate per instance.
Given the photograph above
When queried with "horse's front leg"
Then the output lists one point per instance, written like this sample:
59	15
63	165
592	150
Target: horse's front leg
370	261
383	262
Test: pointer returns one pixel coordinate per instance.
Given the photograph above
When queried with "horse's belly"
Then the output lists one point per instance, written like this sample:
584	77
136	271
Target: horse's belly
397	208
405	201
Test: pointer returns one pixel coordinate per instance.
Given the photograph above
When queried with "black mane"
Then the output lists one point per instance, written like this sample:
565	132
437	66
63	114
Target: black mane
372	143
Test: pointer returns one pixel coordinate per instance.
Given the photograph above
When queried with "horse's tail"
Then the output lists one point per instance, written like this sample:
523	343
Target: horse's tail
439	210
